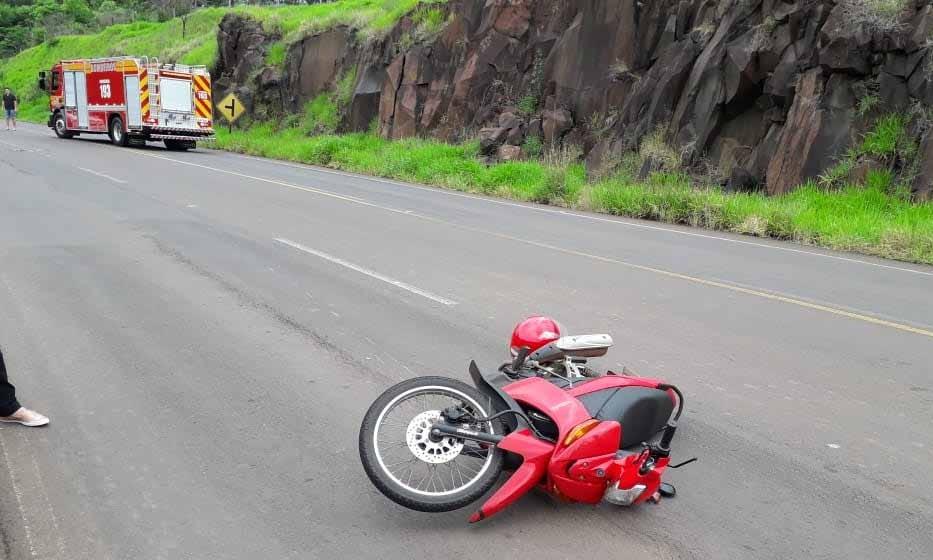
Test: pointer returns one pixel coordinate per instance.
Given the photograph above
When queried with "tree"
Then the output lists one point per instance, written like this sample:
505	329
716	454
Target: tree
173	8
78	11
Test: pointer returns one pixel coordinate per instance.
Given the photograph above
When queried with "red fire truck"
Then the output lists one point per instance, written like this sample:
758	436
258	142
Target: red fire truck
132	99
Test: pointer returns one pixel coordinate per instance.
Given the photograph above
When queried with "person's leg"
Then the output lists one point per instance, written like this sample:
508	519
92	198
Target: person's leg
8	402
14	119
10	409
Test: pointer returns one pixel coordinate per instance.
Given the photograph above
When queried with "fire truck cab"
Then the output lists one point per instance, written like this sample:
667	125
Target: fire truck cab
131	99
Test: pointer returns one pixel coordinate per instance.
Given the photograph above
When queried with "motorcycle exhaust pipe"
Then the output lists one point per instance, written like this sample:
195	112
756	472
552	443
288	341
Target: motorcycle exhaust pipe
442	429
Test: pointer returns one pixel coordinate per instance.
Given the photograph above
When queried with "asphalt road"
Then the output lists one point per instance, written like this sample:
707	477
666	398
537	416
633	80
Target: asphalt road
206	331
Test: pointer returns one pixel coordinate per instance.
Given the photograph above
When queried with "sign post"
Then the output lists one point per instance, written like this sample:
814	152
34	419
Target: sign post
231	108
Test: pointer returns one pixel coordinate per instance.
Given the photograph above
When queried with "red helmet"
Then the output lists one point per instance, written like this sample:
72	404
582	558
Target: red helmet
534	332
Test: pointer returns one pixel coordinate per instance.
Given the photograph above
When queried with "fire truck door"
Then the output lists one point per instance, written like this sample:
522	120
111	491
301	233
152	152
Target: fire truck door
76	95
134	115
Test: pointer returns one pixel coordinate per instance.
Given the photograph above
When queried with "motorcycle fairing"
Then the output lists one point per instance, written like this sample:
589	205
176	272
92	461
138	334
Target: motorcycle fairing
535	455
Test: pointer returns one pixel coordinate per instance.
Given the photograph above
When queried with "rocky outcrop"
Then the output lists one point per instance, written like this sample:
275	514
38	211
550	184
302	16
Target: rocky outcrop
766	93
314	64
242	46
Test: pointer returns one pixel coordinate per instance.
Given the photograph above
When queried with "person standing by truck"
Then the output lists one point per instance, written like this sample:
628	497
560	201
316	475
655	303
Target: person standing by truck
10	104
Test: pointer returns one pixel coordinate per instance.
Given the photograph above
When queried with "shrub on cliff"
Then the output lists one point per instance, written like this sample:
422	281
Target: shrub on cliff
882	15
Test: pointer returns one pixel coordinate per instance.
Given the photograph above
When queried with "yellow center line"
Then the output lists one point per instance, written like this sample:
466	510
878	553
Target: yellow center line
694	279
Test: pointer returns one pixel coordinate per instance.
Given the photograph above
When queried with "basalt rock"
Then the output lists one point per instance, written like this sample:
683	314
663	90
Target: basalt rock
819	129
509	120
491	138
509	153
923	183
555	124
242	45
314	64
763	92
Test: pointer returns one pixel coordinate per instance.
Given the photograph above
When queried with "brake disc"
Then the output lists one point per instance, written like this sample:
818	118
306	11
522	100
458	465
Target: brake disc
418	437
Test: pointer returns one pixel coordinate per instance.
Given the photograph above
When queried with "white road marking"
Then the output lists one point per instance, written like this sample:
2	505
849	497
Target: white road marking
563	212
367	272
19	498
99	174
45	496
749	291
833	445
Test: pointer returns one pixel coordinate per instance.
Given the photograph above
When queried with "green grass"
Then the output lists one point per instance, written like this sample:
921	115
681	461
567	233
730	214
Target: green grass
321	115
887	138
870	218
276	54
428	22
528	105
345	87
533	147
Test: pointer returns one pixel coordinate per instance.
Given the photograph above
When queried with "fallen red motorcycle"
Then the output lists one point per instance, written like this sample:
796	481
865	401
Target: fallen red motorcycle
437	444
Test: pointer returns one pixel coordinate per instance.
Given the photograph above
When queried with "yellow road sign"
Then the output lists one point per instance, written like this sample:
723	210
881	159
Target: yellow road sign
230	107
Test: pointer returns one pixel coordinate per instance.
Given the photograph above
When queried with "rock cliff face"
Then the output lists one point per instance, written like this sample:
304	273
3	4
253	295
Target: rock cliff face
767	93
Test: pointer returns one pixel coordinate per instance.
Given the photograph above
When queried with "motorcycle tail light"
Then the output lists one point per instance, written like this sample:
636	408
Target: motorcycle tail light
580	431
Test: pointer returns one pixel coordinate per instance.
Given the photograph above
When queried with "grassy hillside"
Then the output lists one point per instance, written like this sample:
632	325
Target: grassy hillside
198	45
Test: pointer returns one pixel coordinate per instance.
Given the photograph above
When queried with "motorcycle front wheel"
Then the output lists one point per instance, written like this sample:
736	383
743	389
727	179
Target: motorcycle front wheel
420	472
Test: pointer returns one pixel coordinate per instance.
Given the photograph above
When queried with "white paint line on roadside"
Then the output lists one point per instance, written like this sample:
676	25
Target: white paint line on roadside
367	272
726	286
19	498
615	221
103	175
45	496
352	199
702	281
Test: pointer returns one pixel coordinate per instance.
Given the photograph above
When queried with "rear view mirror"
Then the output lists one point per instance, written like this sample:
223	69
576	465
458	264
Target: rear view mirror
43	85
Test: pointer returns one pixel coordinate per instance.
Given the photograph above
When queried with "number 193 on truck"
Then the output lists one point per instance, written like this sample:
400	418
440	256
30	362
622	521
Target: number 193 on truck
131	99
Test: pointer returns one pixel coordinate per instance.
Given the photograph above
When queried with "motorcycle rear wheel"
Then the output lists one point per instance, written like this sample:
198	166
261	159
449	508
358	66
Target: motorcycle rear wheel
419	474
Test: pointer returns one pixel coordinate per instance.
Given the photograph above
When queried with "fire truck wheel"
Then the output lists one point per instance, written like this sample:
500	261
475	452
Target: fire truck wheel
117	132
58	125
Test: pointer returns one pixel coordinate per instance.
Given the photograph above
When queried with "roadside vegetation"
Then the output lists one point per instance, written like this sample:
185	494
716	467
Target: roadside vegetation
874	217
881	15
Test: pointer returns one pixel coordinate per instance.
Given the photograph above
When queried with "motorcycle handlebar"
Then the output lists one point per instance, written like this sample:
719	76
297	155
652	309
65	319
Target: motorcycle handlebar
680	398
520	358
668	435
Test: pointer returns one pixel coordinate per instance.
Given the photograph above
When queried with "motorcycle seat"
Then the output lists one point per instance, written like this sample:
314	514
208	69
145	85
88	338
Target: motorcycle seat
642	411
